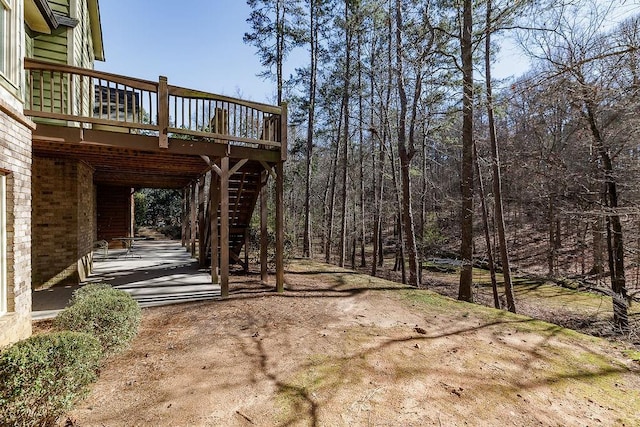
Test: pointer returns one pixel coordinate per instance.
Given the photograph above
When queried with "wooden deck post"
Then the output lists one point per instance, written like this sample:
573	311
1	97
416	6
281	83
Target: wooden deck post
184	217
246	250
192	234
280	226
187	215
283	132
163	112
202	256
224	227
132	213
264	275
214	190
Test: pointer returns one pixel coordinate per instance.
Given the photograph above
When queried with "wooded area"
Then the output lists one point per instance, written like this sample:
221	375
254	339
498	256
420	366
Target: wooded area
396	107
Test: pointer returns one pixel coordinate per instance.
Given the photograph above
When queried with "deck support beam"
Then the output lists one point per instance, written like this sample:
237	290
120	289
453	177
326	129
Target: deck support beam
193	217
163	112
264	275
185	207
279	226
246	250
214	191
202	255
224	227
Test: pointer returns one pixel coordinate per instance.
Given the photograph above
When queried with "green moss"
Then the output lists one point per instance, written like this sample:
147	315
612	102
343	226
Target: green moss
430	299
596	376
316	380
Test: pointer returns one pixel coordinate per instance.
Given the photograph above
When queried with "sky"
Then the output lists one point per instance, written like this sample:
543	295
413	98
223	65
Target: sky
198	44
194	43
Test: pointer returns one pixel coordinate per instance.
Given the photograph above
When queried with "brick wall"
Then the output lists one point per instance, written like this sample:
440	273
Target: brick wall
63	221
15	163
86	220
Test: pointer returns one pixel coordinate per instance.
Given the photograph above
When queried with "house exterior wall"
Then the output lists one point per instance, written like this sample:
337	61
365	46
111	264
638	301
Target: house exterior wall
114	213
70	46
28	46
81	52
63	221
54	47
15	163
15	166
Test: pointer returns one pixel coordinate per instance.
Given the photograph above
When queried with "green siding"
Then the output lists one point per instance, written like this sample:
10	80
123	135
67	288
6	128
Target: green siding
83	43
61	6
55	48
51	47
28	45
83	55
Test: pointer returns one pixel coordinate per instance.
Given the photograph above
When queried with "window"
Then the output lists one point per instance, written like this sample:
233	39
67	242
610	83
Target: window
3	243
5	35
10	43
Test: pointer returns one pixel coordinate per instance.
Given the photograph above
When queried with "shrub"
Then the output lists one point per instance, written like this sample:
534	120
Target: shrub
109	314
88	291
44	375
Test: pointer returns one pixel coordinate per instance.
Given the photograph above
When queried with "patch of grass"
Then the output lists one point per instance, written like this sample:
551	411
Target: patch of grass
632	354
594	376
429	299
431	302
301	393
440	268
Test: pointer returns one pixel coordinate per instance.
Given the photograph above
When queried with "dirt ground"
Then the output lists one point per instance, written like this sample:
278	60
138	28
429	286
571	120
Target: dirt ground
344	349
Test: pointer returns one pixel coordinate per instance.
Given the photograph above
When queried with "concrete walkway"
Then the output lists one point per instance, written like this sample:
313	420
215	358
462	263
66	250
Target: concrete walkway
156	272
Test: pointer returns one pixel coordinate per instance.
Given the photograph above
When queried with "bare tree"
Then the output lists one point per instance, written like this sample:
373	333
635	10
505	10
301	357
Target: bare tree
466	248
497	181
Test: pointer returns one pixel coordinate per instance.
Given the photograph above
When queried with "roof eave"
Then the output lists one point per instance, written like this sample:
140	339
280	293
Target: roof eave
96	29
39	16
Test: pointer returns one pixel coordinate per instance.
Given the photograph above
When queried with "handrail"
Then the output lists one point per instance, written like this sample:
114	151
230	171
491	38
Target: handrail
73	96
36	64
192	93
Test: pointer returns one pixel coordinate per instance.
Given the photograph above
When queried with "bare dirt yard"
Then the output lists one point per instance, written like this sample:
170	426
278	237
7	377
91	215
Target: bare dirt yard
344	349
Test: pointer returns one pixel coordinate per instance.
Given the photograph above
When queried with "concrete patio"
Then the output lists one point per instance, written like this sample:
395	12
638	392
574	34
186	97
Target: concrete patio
155	272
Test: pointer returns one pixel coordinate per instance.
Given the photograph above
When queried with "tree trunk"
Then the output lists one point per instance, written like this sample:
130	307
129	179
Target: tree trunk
598	263
363	260
466	248
615	243
497	179
551	254
400	264
377	167
487	235
313	49
345	147
405	156
386	130
280	13
332	196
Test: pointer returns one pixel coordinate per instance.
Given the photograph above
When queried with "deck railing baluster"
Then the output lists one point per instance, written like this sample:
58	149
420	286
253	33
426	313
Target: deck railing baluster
72	108
125	91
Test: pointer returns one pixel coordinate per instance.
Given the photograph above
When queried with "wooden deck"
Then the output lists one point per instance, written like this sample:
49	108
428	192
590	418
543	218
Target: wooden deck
140	133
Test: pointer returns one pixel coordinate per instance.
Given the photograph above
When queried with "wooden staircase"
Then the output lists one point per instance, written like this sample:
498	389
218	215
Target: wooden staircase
244	190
